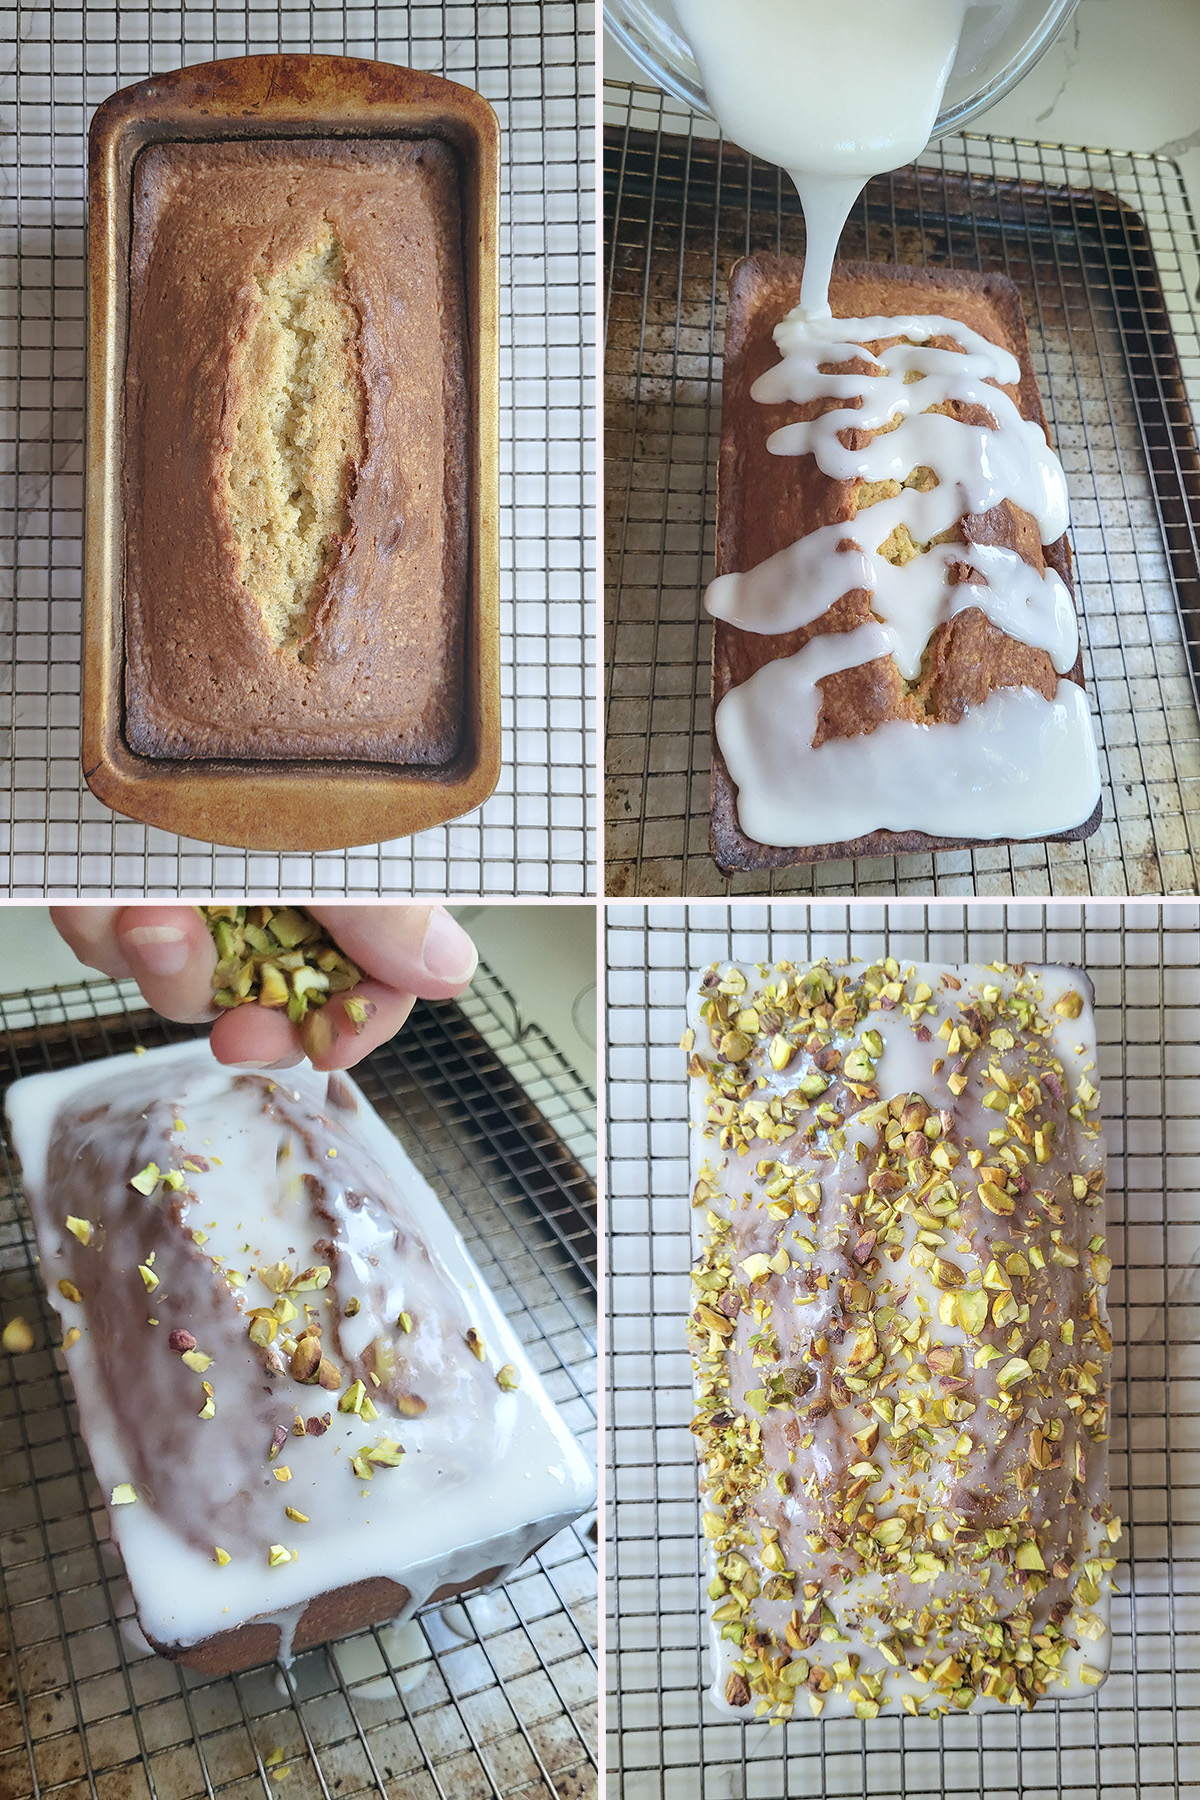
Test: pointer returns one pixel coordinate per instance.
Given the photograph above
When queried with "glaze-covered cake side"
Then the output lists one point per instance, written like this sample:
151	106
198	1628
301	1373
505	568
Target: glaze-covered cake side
293	1383
899	1335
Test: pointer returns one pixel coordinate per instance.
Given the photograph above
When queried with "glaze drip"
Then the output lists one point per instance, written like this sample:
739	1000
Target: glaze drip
912	414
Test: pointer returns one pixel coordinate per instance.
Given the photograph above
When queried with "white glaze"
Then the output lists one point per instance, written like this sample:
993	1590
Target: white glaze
836	94
486	1474
832	93
988	775
904	1067
1013	760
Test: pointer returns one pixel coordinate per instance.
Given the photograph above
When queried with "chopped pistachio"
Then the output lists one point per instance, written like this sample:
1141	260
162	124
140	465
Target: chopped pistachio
81	1229
149	1278
282	1473
295	1515
196	1360
475	1344
17	1337
147	1179
310	1279
277	1555
69	1291
122	1495
72	1337
507	1378
352	1400
221	1556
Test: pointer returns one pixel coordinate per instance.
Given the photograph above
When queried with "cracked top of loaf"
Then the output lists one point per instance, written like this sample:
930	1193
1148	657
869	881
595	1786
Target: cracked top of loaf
899	1335
296	431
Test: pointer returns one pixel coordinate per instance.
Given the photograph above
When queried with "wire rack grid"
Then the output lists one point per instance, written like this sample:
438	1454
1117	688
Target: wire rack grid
1135	1737
494	1701
1103	248
532	60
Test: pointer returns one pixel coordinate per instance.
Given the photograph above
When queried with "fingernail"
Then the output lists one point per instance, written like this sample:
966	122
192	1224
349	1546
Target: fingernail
163	949
447	952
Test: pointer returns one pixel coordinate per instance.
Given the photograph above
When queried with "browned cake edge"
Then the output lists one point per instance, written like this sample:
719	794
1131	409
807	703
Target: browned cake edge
732	850
339	1613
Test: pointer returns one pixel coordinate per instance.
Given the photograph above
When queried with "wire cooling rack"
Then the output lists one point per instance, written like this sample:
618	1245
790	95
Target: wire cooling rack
1104	249
498	1704
532	59
1138	1734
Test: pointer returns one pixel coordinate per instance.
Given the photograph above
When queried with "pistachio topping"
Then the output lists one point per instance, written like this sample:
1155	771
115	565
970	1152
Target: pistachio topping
508	1379
359	1012
295	1515
18	1337
122	1495
81	1229
221	1557
70	1338
475	1344
277	1555
898	1335
69	1291
279	956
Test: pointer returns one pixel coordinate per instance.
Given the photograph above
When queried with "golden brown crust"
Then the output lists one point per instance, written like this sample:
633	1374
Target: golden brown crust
759	514
380	675
327	1616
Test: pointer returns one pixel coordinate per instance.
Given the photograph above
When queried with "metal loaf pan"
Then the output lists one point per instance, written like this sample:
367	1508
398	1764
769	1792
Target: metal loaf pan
297	805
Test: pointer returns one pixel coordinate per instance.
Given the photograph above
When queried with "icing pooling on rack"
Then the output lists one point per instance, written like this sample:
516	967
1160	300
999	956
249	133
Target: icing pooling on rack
984	771
301	1170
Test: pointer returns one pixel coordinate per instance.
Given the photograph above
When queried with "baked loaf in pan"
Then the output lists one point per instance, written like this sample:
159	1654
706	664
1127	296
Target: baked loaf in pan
296	438
304	1409
899	1336
895	657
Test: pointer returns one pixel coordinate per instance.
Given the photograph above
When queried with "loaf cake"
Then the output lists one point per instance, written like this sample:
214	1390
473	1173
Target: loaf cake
899	1336
304	1409
896	660
296	438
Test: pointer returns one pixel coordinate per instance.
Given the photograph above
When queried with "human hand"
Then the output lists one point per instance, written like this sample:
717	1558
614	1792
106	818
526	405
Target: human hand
405	952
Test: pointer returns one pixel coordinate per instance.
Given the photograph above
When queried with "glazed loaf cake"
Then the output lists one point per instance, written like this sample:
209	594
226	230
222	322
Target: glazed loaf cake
896	660
304	1409
899	1336
296	434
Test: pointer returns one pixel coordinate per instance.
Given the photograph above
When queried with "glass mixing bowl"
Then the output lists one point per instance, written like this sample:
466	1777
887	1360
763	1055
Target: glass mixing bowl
1001	41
